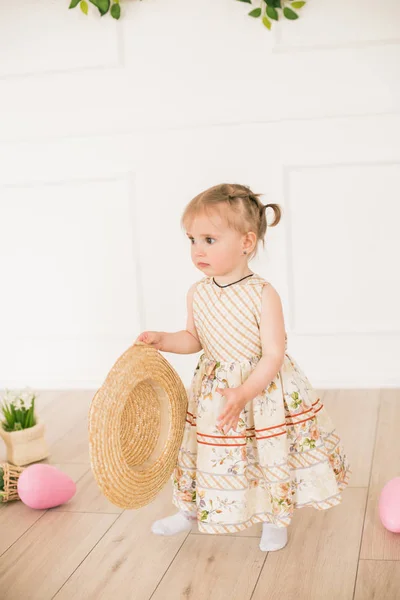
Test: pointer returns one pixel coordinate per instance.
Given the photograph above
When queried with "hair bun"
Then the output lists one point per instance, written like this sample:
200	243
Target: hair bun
277	213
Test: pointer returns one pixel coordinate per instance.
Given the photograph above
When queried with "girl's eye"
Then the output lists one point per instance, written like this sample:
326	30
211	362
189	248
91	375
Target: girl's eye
207	240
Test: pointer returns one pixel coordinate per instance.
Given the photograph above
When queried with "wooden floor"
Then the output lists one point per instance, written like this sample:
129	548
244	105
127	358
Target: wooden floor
90	549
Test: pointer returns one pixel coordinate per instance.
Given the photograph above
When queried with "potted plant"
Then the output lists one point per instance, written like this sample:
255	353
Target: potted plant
20	429
9	476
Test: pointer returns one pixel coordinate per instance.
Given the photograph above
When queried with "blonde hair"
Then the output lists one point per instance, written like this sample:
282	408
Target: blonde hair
243	212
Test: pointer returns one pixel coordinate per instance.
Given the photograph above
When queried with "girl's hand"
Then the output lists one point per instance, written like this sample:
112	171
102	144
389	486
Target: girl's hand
152	338
236	402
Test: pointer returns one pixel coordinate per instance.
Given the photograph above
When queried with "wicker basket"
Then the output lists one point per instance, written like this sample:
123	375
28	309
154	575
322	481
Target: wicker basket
10	476
26	446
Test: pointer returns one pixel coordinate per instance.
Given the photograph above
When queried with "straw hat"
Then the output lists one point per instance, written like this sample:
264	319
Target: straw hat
136	424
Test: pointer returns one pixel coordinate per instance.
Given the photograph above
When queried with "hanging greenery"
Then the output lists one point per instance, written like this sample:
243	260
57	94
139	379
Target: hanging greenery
266	10
272	10
103	6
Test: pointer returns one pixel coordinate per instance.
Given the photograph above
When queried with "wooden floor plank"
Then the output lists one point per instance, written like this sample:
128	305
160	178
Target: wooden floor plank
378	580
65	413
87	550
213	567
320	560
73	446
38	564
88	497
378	543
129	561
15	519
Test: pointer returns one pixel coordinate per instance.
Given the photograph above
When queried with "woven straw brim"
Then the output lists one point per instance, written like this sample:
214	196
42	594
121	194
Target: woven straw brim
136	425
10	475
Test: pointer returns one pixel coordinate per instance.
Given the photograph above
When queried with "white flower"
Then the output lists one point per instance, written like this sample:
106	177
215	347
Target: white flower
27	396
19	398
9	396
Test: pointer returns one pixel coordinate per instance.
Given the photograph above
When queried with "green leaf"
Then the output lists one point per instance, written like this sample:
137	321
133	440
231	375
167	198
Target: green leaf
248	1
13	413
297	4
6	412
102	5
290	14
277	4
272	13
116	11
74	3
266	22
270	2
255	13
84	7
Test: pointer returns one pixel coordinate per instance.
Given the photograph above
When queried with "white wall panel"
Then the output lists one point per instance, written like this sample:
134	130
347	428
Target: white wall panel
43	36
108	129
189	64
69	263
341	23
344	248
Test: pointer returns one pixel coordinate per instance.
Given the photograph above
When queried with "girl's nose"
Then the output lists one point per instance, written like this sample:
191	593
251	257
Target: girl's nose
199	252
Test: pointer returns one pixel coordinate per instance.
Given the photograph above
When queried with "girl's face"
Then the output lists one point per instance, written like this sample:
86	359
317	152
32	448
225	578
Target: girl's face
216	249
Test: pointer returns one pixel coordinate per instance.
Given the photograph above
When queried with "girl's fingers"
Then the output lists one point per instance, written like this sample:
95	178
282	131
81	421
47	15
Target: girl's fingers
226	416
228	412
227	426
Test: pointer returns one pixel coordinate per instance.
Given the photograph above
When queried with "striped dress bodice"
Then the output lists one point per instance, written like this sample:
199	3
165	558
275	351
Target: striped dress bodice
227	319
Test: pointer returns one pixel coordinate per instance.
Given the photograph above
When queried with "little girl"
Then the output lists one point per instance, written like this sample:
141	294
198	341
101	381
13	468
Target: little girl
258	442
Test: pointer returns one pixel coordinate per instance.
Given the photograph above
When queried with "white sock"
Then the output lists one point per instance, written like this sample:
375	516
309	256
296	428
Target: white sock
174	524
273	537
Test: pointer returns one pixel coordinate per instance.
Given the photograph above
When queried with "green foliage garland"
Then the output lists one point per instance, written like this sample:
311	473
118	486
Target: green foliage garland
272	10
266	10
103	7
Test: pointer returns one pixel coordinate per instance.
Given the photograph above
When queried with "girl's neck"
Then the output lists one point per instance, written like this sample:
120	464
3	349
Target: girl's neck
233	276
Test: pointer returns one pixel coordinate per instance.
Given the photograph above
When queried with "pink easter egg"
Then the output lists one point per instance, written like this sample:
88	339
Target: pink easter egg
389	505
44	486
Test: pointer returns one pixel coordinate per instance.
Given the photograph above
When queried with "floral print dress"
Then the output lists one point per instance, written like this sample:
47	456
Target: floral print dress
286	452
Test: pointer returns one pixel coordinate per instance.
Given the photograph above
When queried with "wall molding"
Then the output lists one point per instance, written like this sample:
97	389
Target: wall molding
37	139
282	48
127	177
293	328
118	64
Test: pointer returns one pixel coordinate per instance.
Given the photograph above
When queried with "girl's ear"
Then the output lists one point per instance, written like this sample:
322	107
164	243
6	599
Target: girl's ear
249	242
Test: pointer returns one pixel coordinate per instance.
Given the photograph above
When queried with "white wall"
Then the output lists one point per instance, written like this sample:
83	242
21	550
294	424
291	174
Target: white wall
107	129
